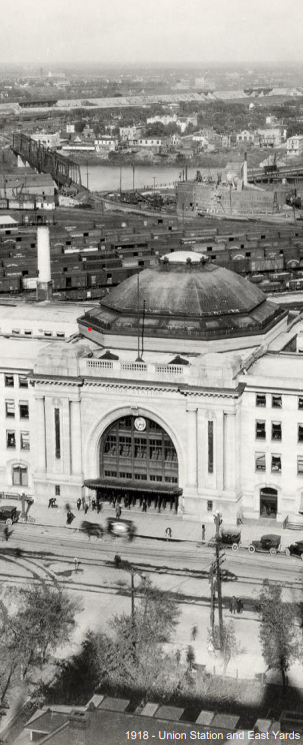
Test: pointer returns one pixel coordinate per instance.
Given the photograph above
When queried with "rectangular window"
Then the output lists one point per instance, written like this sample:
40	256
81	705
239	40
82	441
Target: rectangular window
300	402
276	464
260	399
300	464
260	463
16	331
23	410
10	409
23	382
24	440
276	431
209	505
210	435
57	434
300	432
20	476
276	402
10	439
57	490
48	333
28	332
260	431
9	381
60	335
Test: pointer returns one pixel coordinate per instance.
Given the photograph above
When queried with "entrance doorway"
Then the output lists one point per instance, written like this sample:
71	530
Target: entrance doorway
268	502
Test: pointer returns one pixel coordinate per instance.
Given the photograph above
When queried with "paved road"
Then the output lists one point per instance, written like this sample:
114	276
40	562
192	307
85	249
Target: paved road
175	557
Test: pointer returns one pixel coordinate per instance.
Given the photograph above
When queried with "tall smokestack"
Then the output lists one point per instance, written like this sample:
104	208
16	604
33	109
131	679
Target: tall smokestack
245	181
44	283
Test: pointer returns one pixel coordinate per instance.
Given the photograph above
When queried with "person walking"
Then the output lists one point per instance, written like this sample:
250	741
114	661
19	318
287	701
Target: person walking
203	533
194	632
83	502
77	563
239	605
6	532
168	533
234	604
78	504
118	512
93	503
85	508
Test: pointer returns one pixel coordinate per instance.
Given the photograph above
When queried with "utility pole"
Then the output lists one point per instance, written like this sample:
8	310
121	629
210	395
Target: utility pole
212	600
219	560
133	178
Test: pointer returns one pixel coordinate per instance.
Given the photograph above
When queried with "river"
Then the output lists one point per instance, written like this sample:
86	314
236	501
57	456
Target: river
107	177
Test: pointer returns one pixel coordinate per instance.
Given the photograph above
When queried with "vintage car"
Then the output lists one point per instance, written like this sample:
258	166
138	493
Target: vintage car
117	527
8	514
268	543
295	549
231	537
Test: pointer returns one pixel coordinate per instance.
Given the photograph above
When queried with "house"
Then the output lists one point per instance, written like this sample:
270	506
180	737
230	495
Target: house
152	142
183	121
130	134
295	145
246	136
49	140
106	141
270	137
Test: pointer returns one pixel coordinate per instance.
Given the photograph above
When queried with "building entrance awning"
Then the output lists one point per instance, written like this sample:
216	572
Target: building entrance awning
129	486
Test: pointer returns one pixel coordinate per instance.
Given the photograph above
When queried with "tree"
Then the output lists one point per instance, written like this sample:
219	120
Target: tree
230	647
278	633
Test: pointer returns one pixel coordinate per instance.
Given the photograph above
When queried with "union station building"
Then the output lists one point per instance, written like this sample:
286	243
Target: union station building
183	386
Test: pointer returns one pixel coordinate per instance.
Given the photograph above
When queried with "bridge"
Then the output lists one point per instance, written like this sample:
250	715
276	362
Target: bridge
64	171
272	173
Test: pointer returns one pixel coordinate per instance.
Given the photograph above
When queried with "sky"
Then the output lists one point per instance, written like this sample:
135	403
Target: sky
149	31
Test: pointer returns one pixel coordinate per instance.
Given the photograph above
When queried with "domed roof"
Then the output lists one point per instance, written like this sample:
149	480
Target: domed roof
184	295
185	285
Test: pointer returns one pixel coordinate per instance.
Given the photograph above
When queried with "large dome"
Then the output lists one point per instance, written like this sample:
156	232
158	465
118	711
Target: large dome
185	295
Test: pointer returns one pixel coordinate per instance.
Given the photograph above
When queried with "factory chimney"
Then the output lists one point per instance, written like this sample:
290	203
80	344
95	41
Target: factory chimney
44	282
244	170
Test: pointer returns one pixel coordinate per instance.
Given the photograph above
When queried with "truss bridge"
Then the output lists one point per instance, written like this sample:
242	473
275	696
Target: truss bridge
64	171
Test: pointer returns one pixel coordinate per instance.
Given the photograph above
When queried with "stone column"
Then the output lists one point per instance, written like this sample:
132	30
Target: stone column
66	437
192	456
41	463
75	437
229	451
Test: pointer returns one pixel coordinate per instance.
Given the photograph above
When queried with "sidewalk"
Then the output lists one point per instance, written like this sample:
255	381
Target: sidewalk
151	524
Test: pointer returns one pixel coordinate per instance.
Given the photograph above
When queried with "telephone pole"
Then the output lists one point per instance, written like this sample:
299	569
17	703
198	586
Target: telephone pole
218	562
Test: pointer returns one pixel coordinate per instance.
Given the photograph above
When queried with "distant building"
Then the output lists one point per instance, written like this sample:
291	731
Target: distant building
270	137
164	119
130	134
295	145
246	136
48	139
106	141
152	142
70	129
183	121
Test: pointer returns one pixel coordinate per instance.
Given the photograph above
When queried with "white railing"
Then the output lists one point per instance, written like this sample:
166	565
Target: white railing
171	369
133	366
100	364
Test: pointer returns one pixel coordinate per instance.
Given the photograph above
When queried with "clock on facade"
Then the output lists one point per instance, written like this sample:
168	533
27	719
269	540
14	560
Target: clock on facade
140	423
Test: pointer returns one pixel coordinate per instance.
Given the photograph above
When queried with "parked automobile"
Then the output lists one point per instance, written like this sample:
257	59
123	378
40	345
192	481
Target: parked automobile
231	538
92	529
295	549
268	543
8	514
117	527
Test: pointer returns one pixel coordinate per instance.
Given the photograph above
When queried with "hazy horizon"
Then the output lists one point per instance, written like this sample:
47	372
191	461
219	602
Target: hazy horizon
146	32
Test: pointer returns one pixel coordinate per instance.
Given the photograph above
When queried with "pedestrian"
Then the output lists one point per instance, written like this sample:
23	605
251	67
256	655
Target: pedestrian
118	512
78	504
69	517
77	563
203	533
168	533
99	506
194	632
234	604
50	502
6	533
144	505
93	503
85	508
230	605
83	502
239	605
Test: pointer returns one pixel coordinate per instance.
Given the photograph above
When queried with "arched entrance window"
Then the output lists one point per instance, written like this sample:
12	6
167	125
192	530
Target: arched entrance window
137	449
268	502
